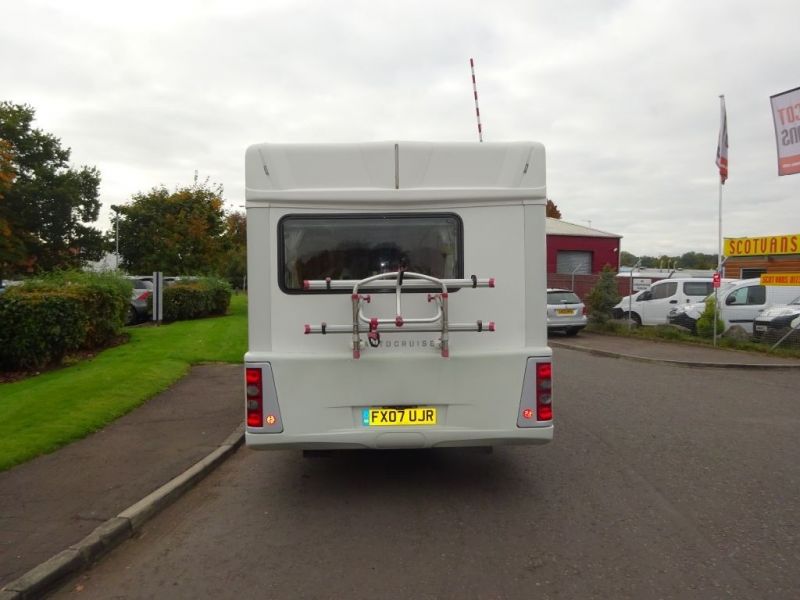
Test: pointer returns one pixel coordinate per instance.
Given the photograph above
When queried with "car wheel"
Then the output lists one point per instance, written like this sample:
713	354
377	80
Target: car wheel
636	319
130	316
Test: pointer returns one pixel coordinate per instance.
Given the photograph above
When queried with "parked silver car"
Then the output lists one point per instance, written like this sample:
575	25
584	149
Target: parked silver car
137	309
565	312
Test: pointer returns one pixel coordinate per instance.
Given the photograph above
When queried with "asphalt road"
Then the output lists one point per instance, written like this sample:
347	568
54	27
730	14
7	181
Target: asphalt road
663	482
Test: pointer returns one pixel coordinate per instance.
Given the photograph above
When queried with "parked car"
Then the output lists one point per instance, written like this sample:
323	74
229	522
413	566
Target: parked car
774	322
168	280
651	306
565	312
137	309
740	303
686	316
7	283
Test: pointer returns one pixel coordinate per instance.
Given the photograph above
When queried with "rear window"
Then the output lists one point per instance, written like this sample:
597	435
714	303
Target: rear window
664	290
562	298
697	288
358	246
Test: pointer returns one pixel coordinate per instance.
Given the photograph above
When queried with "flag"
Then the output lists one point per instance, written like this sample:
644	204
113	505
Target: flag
722	143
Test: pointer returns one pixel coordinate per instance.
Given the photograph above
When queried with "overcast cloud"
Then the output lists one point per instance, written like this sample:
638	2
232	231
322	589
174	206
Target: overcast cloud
624	95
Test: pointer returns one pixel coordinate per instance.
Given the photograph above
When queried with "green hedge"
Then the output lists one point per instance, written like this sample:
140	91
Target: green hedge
44	319
39	328
194	299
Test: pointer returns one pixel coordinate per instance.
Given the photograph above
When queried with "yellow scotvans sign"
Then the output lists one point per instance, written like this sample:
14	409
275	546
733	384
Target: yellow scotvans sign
780	279
763	246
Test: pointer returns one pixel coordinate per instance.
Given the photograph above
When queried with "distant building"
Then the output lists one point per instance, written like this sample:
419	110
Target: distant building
577	254
575	249
107	263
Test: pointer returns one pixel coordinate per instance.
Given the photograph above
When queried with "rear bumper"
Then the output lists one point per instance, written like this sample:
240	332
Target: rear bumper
682	320
566	323
369	438
319	400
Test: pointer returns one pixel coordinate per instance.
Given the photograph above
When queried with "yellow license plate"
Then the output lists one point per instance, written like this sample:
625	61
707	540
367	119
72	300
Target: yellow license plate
565	311
388	417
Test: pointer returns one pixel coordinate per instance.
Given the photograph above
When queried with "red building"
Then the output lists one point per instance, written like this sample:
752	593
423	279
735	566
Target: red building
577	254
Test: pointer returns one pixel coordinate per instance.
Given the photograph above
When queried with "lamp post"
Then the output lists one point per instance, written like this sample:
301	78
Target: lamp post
115	208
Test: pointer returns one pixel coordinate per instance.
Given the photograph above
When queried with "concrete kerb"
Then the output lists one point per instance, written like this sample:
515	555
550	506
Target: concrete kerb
679	363
114	531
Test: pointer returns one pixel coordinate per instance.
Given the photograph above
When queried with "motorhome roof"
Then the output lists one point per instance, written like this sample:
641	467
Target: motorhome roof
390	172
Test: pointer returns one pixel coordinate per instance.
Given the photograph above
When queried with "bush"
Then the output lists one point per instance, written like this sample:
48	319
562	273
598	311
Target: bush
197	298
603	296
44	319
39	328
705	324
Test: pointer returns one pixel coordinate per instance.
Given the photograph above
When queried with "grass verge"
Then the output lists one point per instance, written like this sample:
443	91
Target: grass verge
43	413
669	333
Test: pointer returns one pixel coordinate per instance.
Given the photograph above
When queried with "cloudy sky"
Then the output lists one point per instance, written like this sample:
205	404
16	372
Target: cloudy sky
624	94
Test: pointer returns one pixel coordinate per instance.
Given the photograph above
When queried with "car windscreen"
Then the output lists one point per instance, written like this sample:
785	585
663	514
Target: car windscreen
354	247
562	298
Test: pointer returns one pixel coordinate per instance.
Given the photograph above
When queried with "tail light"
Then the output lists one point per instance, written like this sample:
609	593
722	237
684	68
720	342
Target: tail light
255	397
143	296
583	310
261	397
536	405
544	388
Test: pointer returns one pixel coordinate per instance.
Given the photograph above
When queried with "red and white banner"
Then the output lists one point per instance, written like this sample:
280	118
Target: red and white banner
786	115
722	142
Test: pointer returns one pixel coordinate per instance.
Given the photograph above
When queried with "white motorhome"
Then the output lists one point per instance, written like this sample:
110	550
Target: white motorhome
396	295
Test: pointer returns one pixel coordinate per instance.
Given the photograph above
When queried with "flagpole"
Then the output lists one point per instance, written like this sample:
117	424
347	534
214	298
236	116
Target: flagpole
719	259
721	182
722	163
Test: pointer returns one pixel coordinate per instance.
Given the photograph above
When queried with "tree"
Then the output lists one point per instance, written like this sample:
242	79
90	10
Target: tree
46	206
604	296
688	260
626	259
234	262
705	324
7	172
697	260
179	233
9	246
551	210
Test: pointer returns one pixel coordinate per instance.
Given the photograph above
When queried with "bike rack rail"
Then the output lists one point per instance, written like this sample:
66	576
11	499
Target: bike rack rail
372	327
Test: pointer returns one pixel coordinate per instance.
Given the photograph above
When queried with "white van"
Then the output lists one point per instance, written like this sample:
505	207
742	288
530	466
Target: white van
396	296
651	306
740	303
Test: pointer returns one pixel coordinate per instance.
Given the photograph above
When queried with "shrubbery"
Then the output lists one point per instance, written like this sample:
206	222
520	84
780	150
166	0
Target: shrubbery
603	297
193	299
44	319
705	324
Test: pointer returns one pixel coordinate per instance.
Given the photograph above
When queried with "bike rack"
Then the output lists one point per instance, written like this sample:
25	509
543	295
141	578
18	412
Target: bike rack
372	327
